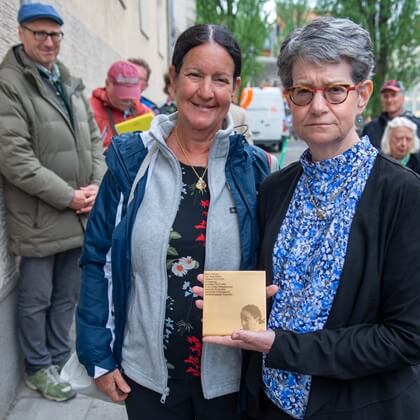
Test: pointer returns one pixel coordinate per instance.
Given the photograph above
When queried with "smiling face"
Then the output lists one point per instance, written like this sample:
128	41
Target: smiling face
204	87
401	141
392	102
42	52
328	129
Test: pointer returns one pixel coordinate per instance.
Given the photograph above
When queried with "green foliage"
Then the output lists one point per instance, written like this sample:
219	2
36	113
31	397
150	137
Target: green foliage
394	26
247	22
291	14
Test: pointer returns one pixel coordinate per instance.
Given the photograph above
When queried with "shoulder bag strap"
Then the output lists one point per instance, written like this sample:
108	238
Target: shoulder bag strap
111	121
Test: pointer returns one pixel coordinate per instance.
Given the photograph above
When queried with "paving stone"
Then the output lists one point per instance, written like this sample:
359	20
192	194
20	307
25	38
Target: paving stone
106	411
41	409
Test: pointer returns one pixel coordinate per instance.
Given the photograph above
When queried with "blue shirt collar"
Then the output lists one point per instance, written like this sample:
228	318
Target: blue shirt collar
53	76
338	165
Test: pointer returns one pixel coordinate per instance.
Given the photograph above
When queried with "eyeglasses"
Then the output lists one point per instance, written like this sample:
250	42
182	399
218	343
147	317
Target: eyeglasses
43	35
333	94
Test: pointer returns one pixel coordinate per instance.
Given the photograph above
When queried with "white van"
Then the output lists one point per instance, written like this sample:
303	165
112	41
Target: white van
265	112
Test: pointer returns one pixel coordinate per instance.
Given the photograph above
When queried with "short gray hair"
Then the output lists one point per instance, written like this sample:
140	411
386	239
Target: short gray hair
328	40
398	122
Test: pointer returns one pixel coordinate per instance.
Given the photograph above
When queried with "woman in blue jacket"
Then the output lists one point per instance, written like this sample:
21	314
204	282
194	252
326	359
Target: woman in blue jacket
176	200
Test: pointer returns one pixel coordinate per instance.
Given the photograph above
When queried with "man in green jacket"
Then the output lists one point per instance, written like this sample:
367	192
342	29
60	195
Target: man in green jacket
51	161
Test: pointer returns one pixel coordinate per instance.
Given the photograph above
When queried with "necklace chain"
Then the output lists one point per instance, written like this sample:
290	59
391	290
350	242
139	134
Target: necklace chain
321	213
200	184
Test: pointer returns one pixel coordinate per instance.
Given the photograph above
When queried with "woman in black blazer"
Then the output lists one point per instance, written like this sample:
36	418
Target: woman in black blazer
340	240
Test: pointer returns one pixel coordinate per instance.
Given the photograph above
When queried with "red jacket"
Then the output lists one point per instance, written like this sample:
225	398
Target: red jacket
101	106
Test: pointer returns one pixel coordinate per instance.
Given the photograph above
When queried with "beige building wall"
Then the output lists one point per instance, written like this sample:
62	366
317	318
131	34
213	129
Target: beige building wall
10	361
97	32
182	15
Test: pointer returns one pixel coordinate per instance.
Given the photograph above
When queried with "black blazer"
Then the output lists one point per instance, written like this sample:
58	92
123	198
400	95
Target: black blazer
364	361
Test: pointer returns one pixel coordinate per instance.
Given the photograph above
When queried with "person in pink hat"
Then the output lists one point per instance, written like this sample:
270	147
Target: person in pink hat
118	100
392	99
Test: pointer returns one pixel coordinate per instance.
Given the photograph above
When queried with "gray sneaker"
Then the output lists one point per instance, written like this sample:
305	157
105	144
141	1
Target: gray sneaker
47	382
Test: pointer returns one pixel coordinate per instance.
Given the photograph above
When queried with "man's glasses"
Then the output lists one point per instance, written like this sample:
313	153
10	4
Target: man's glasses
333	94
42	35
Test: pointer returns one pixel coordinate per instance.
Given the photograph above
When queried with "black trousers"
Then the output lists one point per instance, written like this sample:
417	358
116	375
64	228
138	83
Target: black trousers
269	411
184	402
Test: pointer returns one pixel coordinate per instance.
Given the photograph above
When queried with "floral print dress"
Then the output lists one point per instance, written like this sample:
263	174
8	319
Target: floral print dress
308	258
185	260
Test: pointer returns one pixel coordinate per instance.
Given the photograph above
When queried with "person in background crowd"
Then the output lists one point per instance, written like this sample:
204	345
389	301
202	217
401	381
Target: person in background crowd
51	161
241	125
240	121
340	239
392	98
169	106
118	100
400	141
144	71
192	205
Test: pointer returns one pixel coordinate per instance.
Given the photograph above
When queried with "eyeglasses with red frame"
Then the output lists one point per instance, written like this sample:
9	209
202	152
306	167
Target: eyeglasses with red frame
334	94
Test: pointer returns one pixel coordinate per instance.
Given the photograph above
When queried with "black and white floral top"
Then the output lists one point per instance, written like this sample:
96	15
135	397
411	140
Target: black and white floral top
185	260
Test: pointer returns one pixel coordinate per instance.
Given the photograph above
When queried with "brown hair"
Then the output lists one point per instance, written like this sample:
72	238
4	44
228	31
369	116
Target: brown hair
142	63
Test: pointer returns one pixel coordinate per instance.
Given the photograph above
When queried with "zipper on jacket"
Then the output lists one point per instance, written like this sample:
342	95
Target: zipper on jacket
178	199
164	395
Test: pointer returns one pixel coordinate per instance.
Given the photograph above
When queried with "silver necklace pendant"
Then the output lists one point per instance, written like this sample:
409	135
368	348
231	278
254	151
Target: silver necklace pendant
200	184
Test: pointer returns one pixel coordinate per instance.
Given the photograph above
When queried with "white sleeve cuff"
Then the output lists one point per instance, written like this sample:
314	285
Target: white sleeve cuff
100	372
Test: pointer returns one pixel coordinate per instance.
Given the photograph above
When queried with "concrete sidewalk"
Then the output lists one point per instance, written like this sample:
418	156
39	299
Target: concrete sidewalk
29	405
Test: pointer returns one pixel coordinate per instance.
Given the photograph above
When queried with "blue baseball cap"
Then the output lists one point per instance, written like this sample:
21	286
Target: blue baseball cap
34	11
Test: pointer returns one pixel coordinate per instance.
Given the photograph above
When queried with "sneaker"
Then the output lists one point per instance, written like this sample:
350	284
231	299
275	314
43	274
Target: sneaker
47	382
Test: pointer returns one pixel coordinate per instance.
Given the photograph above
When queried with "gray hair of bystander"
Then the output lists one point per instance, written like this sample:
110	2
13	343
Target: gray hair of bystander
328	40
398	122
